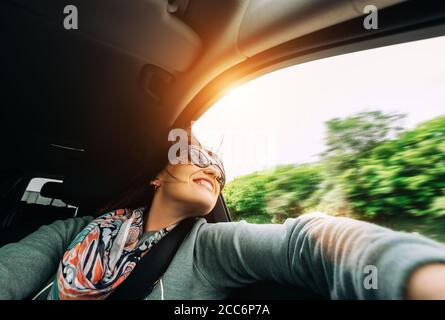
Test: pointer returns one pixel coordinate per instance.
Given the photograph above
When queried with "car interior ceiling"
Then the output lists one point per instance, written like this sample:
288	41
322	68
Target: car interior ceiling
88	106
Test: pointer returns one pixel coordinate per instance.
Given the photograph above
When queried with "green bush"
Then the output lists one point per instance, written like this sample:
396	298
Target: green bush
291	190
402	176
244	196
280	193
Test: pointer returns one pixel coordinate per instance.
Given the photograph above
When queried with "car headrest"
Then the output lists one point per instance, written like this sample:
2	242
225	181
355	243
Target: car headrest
53	190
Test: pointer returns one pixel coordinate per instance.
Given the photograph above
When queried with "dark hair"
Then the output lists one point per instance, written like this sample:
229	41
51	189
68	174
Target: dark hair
136	196
138	193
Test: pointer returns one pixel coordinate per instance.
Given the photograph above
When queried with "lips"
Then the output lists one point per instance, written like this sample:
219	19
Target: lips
206	183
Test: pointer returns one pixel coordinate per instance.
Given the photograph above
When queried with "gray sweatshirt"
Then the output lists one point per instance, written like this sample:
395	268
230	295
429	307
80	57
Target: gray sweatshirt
339	258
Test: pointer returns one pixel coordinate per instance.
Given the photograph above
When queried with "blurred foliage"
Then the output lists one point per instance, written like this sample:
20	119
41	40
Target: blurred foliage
404	176
360	132
289	193
280	193
371	169
352	137
245	196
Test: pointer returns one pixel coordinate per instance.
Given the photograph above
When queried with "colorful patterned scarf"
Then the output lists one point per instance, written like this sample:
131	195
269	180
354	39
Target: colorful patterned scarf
102	255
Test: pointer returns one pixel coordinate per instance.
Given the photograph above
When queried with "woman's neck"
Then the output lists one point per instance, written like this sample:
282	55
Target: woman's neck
162	214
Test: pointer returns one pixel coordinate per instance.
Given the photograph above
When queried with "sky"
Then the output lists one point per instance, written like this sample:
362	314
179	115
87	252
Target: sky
279	118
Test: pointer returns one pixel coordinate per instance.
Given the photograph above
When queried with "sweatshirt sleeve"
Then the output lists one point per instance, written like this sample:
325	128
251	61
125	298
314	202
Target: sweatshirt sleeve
335	257
27	264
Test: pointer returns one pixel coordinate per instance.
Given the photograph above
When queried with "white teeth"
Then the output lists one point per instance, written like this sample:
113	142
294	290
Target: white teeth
205	184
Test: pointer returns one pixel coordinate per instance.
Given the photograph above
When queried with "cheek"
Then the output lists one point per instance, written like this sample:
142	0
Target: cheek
187	191
181	171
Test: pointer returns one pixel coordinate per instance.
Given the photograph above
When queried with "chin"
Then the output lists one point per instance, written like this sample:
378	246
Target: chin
197	202
202	207
202	204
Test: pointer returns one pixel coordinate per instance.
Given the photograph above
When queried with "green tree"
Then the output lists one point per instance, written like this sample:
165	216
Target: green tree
349	138
402	176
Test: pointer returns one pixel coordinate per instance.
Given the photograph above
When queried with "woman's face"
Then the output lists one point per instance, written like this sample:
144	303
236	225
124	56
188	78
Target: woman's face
193	187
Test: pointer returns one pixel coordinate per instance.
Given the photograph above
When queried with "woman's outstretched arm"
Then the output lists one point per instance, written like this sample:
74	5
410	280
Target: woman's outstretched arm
339	258
27	264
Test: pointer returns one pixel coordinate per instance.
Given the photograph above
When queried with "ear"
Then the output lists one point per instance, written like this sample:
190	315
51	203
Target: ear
155	182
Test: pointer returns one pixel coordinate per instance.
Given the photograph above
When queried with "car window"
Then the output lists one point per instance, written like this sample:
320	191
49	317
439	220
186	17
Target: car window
359	135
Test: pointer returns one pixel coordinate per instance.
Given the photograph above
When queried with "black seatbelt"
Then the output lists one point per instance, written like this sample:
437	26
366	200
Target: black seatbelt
152	266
